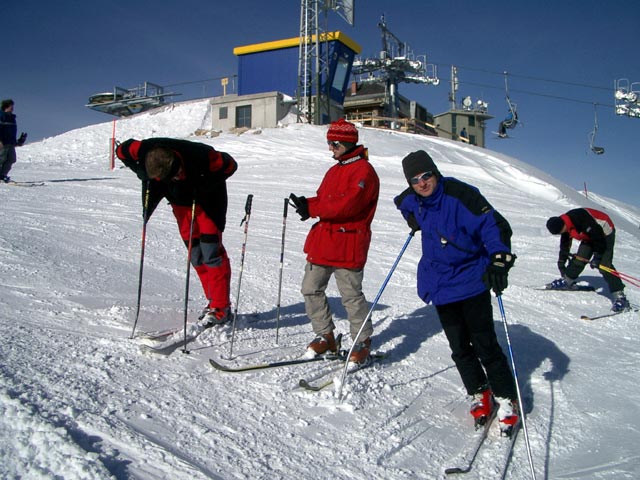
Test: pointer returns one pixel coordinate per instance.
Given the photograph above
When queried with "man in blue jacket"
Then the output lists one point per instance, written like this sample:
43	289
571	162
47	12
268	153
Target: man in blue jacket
466	251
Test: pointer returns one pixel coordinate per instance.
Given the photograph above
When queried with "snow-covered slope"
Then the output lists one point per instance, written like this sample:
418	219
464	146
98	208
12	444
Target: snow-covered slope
78	400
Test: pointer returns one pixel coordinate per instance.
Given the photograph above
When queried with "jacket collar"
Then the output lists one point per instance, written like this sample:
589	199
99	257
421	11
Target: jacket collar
353	155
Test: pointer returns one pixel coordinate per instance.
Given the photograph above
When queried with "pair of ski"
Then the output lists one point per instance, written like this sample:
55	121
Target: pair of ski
340	358
584	288
467	458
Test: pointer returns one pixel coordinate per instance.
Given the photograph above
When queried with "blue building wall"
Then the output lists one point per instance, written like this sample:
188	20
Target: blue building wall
273	66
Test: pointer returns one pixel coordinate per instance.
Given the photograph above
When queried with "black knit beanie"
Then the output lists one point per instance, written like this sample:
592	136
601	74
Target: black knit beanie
555	225
418	162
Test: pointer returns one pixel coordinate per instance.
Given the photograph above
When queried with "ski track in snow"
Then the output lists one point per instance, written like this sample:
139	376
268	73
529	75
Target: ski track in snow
78	400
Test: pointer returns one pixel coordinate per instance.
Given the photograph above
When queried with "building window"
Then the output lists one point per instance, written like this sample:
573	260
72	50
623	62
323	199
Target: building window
243	116
472	121
224	113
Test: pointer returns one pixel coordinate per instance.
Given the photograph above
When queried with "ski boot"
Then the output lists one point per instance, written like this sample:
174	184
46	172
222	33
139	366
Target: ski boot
482	407
507	415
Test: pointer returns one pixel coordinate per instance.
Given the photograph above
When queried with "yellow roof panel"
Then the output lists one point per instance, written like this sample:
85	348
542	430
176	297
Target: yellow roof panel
294	42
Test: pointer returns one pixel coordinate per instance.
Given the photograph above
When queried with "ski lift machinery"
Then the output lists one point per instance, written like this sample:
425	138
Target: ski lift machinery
592	134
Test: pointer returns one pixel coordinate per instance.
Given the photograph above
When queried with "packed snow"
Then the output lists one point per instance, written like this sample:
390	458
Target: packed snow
79	399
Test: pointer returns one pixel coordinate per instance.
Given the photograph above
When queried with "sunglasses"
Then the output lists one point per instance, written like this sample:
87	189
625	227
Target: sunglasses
425	176
333	144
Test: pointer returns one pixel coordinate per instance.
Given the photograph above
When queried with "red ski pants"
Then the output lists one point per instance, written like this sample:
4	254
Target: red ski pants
208	255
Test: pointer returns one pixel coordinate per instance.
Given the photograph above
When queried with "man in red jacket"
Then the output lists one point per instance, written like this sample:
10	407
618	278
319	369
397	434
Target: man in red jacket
191	176
597	235
338	242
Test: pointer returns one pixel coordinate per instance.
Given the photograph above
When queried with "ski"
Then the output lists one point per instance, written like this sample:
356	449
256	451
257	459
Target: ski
25	184
176	340
307	385
575	288
280	363
605	315
498	135
508	454
157	335
470	453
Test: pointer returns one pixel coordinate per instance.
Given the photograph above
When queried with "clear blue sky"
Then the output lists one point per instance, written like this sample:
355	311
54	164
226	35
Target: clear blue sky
562	57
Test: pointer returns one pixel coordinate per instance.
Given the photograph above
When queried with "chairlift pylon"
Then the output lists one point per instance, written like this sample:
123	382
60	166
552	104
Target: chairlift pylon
592	136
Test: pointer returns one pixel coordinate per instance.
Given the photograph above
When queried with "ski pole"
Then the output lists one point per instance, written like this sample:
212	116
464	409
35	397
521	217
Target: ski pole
245	220
515	377
145	208
373	306
186	288
623	276
284	228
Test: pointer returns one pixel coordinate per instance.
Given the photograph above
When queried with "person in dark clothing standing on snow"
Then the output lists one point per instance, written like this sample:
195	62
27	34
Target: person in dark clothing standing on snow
8	141
597	235
338	243
466	250
190	174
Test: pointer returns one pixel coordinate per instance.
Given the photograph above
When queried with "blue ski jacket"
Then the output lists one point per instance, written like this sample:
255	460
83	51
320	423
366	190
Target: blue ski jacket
460	231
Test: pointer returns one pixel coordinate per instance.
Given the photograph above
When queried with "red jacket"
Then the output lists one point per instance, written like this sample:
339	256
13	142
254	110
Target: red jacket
586	225
206	171
345	204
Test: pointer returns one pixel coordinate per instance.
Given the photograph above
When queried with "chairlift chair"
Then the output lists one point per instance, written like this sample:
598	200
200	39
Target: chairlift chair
592	135
511	120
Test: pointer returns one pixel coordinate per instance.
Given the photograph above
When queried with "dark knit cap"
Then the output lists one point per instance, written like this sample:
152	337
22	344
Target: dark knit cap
555	225
418	162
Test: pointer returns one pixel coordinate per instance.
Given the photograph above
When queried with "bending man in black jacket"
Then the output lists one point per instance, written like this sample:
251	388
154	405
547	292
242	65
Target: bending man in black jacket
190	176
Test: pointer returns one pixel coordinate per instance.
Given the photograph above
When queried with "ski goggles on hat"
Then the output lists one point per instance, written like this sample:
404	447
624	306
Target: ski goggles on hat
424	176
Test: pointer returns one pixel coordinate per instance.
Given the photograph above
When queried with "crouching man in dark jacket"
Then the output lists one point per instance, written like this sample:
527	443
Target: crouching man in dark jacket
191	176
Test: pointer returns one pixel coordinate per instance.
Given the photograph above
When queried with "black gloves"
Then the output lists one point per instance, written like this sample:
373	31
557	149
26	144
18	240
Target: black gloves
22	138
562	262
496	275
596	260
302	207
562	267
413	223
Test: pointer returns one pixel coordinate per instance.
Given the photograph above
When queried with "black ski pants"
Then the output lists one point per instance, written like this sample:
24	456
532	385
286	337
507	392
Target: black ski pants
468	325
585	250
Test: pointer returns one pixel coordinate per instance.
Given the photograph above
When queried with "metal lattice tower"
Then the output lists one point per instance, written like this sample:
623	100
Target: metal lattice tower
313	62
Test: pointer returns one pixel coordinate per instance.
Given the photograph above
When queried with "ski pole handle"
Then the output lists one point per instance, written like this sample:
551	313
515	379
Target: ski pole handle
247	209
247	206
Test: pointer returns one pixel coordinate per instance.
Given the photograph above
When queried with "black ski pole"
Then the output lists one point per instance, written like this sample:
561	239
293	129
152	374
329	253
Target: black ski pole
284	228
186	288
373	306
145	208
245	220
